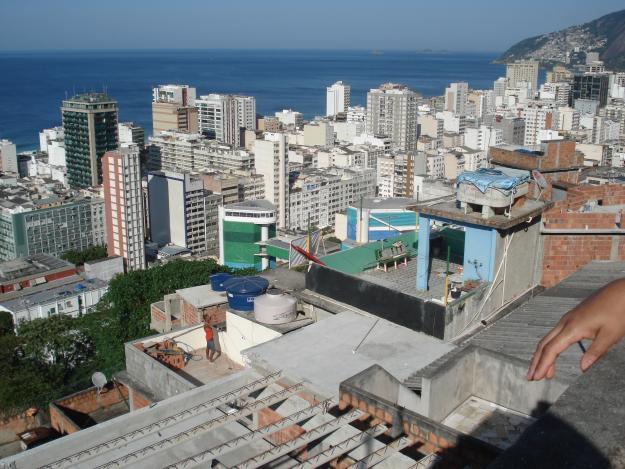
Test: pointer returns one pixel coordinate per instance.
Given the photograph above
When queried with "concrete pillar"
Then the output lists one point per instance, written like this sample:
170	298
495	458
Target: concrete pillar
423	253
264	236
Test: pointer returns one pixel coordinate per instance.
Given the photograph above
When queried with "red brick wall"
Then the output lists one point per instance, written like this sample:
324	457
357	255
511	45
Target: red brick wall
86	401
560	154
191	315
139	401
565	254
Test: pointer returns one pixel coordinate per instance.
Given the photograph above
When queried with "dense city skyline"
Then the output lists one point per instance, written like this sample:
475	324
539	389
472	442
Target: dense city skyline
141	25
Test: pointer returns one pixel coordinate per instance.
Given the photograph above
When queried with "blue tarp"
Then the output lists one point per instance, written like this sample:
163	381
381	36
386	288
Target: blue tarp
486	178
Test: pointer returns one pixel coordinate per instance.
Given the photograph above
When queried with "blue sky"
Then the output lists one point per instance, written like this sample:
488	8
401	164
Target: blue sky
477	25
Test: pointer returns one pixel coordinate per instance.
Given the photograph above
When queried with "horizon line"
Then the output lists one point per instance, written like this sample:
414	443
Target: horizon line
425	50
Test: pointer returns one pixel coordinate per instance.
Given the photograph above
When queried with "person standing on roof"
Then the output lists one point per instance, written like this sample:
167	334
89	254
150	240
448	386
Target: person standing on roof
211	351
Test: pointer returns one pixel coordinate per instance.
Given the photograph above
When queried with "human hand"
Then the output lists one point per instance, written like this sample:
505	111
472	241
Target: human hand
601	318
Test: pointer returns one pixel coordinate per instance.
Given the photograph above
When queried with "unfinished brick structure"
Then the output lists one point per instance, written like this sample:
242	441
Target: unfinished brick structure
184	309
86	408
586	226
556	160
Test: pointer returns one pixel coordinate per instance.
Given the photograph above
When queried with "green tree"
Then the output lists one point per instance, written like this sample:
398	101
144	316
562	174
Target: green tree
6	323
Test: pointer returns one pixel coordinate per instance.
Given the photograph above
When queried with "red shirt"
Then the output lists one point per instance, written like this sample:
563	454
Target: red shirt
208	330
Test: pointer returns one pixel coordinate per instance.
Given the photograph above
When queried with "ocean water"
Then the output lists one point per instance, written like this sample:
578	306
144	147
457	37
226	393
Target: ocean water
33	84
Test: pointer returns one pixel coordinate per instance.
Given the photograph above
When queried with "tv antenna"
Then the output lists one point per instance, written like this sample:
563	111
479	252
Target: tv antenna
99	381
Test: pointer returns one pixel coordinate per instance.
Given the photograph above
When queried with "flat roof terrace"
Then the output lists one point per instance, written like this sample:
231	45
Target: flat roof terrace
404	278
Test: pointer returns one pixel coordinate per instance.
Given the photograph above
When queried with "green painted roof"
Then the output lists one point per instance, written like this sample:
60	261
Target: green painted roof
360	258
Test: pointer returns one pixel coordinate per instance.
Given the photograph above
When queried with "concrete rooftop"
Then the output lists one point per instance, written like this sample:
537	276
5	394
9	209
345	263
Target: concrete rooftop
323	353
202	296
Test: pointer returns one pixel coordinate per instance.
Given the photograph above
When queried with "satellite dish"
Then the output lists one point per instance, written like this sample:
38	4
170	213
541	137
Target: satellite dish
99	380
540	179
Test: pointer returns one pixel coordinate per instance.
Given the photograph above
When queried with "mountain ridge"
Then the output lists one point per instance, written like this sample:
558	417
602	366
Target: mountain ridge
605	35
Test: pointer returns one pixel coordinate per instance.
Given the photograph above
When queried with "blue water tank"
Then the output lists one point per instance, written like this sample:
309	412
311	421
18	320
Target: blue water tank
243	290
217	281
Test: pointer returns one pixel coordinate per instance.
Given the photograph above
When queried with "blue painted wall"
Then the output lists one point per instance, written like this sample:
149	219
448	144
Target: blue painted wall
480	246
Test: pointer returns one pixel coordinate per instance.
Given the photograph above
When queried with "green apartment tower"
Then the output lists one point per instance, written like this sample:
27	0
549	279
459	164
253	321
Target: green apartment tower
242	226
90	125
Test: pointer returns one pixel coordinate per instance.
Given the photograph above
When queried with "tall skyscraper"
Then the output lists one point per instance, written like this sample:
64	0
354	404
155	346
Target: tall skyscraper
456	98
90	127
392	112
522	71
173	108
123	206
271	160
338	98
222	117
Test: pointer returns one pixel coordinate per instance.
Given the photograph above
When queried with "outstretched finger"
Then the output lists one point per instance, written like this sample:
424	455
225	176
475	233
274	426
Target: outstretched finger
540	347
551	351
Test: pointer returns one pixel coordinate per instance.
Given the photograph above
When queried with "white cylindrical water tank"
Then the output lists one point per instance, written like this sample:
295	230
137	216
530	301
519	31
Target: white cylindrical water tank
275	307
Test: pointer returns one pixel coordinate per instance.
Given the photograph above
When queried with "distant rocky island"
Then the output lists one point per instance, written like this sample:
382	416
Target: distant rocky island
605	35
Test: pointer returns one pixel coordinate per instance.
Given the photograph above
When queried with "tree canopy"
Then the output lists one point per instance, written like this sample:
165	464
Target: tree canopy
92	253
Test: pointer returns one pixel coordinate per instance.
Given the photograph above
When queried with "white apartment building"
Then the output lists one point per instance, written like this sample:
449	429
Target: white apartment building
130	133
431	126
181	151
182	212
319	134
357	114
475	159
349	156
178	94
221	117
395	173
123	206
338	98
558	92
318	195
456	96
482	137
567	119
384	143
271	160
538	116
385	176
8	157
522	71
52	141
435	165
499	87
288	117
392	112
452	122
